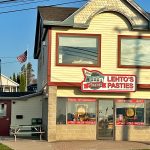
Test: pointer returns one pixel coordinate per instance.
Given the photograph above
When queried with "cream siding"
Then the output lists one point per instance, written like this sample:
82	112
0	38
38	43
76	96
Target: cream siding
91	8
76	92
109	25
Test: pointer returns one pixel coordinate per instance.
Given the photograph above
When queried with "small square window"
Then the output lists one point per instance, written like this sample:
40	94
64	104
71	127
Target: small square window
3	110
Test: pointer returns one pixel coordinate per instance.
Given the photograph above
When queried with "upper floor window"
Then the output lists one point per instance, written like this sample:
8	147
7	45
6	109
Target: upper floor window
78	49
133	51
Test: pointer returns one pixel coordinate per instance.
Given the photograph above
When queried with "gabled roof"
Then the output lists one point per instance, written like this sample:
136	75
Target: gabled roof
139	9
11	81
59	16
52	14
55	13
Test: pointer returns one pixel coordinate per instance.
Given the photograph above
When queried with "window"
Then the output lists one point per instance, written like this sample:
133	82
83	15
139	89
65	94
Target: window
7	89
78	110
78	49
130	112
3	108
81	111
61	111
133	51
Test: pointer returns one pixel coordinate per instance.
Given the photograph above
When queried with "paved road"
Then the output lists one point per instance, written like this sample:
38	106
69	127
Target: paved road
28	144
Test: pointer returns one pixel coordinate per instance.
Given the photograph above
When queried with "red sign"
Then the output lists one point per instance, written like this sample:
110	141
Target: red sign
81	99
129	101
81	122
95	81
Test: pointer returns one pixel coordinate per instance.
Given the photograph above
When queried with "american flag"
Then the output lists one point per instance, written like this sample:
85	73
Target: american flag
23	57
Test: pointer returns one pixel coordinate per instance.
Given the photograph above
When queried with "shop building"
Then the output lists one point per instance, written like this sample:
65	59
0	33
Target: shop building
94	68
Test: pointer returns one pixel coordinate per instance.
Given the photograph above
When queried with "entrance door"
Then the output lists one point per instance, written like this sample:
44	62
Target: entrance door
105	123
5	115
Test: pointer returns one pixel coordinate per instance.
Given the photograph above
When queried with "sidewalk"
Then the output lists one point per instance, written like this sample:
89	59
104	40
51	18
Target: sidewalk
28	144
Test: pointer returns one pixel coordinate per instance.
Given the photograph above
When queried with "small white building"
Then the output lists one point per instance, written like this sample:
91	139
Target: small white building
19	108
8	85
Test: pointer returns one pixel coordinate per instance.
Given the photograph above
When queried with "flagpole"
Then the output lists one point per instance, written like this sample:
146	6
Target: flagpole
27	71
0	78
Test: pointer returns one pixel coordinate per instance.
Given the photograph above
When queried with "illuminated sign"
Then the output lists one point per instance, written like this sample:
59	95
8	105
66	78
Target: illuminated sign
95	81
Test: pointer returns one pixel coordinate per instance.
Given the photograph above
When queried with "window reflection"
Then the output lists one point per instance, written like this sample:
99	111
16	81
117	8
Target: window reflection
130	112
3	108
78	49
81	111
61	111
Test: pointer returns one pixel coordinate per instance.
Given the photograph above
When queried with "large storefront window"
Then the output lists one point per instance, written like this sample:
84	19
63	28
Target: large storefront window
81	111
78	110
61	111
130	112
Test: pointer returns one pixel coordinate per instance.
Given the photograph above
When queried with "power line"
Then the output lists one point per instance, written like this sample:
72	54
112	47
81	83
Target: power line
13	1
25	3
7	1
9	62
59	4
12	57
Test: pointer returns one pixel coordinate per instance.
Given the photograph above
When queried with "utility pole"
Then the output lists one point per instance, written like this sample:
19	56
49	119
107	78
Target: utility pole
1	89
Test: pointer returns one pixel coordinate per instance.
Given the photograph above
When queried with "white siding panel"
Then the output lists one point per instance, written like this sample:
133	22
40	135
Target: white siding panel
30	108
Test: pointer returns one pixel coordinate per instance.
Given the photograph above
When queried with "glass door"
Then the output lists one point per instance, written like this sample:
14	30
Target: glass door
105	122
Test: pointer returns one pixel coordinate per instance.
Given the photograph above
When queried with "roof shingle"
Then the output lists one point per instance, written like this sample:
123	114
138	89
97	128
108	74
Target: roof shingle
56	13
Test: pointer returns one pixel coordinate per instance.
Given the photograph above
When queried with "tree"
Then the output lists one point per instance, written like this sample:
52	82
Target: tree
18	78
22	86
14	77
21	77
29	73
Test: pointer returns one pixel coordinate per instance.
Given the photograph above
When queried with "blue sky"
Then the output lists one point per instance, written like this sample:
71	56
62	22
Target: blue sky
17	31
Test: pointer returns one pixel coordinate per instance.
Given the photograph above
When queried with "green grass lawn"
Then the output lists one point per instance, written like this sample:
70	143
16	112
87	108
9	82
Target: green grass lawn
4	147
